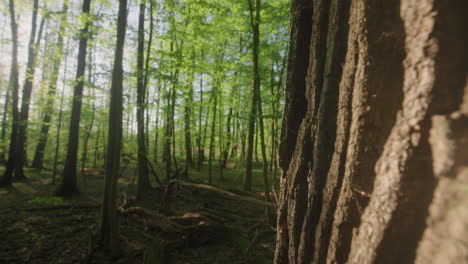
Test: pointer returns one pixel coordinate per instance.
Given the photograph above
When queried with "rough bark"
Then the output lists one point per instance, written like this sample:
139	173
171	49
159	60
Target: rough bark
295	109
380	181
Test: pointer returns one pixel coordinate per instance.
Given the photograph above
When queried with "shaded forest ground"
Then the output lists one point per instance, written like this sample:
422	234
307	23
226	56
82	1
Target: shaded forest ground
36	227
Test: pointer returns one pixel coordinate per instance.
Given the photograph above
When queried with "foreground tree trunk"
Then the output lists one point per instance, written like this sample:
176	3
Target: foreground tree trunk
381	139
14	86
69	186
109	231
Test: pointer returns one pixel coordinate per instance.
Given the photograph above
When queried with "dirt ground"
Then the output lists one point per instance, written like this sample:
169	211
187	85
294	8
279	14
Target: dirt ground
36	227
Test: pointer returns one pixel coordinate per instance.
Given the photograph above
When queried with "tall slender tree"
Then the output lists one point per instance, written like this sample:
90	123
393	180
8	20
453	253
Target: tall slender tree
14	86
4	125
69	185
188	111
143	180
27	90
254	11
109	229
52	90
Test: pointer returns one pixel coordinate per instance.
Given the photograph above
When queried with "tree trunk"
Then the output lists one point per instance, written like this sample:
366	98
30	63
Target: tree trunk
188	114
380	141
254	9
38	160
96	145
266	183
6	180
200	143
84	153
69	185
27	90
211	149
59	121
109	225
167	160
4	126
156	126
146	80
143	179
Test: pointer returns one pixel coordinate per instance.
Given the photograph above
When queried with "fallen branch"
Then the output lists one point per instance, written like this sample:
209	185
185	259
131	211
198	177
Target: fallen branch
204	187
151	219
177	224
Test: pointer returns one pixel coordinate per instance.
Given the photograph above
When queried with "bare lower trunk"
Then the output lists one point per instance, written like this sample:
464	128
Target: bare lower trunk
109	227
69	184
6	179
143	170
27	90
381	137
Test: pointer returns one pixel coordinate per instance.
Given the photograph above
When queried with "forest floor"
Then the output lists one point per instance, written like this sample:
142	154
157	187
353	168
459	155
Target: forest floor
37	227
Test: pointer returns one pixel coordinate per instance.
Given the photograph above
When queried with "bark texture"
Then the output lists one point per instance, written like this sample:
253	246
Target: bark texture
373	147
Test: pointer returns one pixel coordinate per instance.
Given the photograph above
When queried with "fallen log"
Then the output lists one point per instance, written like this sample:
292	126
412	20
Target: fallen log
177	224
204	187
151	219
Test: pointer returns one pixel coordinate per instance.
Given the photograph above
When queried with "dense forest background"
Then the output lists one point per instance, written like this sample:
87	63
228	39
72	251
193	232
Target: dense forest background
190	77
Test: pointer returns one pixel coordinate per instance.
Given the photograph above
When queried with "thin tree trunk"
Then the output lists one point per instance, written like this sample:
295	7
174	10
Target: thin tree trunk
69	184
172	115
38	160
167	160
109	227
156	126
60	115
96	145
4	126
146	75
254	9
200	146
214	101
212	136
14	84
227	147
263	148
27	90
188	114
143	180
84	154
